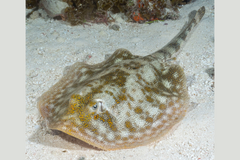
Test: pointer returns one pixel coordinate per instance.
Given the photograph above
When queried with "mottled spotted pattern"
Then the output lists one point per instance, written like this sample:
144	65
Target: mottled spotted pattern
123	102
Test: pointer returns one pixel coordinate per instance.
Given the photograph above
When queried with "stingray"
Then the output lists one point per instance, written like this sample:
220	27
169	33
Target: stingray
124	102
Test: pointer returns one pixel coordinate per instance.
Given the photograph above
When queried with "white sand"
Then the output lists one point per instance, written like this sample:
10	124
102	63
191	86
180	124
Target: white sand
52	45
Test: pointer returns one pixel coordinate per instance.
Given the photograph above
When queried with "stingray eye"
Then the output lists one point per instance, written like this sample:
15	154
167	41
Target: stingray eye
94	107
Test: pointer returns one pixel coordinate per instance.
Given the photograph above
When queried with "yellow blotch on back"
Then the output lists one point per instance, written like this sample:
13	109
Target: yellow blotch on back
138	110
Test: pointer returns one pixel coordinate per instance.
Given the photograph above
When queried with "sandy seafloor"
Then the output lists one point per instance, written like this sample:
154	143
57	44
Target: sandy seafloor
52	45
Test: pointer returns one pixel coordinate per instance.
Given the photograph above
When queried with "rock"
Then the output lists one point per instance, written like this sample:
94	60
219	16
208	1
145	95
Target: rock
43	13
34	15
53	7
114	27
210	72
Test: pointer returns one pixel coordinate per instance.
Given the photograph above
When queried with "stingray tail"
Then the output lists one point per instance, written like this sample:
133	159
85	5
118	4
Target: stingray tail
177	42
